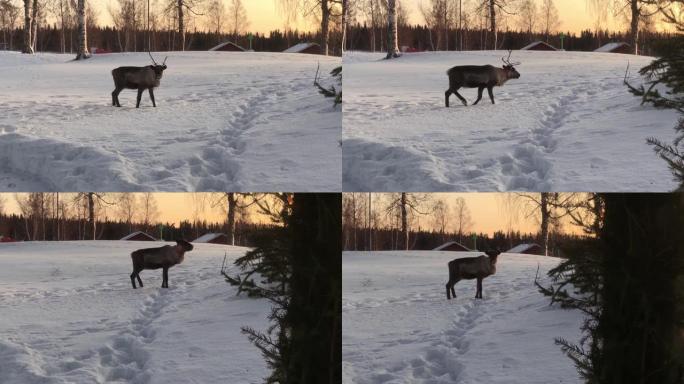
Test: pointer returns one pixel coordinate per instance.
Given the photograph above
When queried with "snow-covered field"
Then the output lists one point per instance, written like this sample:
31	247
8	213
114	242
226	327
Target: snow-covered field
224	121
568	124
68	314
398	326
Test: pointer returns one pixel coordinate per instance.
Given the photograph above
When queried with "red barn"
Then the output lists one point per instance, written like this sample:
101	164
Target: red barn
310	48
527	249
618	47
213	238
539	46
138	236
228	46
452	246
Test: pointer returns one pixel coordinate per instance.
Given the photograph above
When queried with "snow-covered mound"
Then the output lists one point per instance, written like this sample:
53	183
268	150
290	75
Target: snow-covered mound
70	315
224	121
568	124
398	326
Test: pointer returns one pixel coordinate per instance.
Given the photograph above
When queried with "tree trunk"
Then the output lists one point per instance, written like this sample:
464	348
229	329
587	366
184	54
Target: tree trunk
634	26
82	50
34	26
492	20
325	26
181	25
28	48
91	210
232	205
345	21
404	222
545	215
641	268
392	33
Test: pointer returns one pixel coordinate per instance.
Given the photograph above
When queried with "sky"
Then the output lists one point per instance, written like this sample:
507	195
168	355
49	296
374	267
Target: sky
574	14
264	15
173	207
488	213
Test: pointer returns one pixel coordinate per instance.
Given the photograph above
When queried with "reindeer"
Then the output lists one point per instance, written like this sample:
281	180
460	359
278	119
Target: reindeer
471	268
162	257
480	77
140	78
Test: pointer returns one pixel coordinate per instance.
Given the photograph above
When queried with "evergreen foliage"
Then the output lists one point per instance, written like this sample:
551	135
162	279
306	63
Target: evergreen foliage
629	284
664	88
299	271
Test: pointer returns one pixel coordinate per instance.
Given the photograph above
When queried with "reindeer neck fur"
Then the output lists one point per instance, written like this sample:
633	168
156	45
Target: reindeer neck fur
180	251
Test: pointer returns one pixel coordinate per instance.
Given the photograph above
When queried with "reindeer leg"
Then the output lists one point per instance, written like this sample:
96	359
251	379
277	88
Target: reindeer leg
479	95
165	282
133	279
115	97
140	92
137	274
463	100
152	97
478	295
491	94
446	97
449	287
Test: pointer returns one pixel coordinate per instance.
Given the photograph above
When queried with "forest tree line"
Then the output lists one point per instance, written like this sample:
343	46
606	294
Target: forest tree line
384	26
111	216
414	221
70	26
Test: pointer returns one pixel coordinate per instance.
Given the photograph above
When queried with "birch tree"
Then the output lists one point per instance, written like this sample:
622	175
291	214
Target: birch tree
392	34
28	22
82	46
550	19
238	18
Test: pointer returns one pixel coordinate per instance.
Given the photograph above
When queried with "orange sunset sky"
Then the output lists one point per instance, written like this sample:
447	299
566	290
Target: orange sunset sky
264	15
487	211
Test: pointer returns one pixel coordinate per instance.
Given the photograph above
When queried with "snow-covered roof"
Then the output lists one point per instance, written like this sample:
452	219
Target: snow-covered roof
136	233
448	244
520	248
216	48
610	47
299	47
207	237
538	42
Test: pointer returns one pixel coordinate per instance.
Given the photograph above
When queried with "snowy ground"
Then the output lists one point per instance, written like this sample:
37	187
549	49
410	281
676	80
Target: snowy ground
70	315
224	121
398	326
568	124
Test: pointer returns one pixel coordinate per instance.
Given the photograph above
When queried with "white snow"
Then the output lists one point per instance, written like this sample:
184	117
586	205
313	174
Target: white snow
70	315
398	326
568	124
224	121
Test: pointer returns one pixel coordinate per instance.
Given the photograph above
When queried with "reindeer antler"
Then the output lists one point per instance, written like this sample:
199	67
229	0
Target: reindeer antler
164	63
507	60
150	53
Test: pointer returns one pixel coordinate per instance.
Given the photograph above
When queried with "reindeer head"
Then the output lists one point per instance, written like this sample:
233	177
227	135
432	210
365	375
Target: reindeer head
187	247
493	254
157	68
509	67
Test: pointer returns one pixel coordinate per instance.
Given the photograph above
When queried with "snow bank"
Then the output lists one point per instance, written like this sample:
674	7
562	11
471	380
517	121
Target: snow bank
70	315
398	326
224	121
568	124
